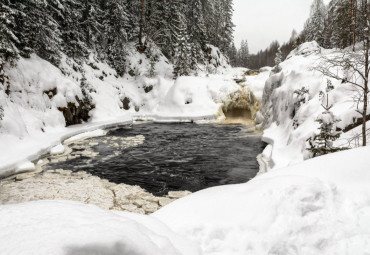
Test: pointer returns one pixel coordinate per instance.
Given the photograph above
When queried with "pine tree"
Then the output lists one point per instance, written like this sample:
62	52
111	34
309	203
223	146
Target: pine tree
73	39
86	101
315	26
227	26
115	26
323	143
91	26
197	32
152	72
341	24
37	30
183	64
8	50
4	82
233	55
278	60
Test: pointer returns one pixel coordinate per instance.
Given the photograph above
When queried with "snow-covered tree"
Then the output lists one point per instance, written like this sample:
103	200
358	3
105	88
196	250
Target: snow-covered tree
91	25
77	28
340	23
151	71
73	40
315	26
278	59
242	55
37	30
301	95
183	63
323	143
8	40
115	36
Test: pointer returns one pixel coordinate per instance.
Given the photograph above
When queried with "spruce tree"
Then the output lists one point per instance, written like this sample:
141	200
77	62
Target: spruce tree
183	64
115	36
73	39
8	50
341	24
278	59
37	30
315	26
323	143
152	72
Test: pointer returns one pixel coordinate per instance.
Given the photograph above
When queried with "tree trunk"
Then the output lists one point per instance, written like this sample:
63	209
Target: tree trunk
366	91
353	25
366	80
141	46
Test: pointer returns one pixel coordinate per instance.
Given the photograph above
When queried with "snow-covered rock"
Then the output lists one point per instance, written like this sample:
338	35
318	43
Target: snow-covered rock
288	126
306	49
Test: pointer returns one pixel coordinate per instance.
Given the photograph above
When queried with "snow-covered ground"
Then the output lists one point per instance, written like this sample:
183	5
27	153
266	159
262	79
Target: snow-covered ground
257	82
321	206
61	227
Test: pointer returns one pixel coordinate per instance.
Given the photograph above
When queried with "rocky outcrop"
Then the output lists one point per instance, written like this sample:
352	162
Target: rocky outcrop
76	113
241	104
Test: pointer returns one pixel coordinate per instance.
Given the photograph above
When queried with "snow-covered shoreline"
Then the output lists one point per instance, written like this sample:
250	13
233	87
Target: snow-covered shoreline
22	161
26	153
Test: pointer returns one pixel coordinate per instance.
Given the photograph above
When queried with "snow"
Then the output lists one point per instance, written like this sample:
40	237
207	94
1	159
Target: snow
61	227
257	82
25	166
59	149
85	135
321	206
194	96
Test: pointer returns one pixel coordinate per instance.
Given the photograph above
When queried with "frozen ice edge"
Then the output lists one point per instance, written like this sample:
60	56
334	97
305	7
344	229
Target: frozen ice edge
12	168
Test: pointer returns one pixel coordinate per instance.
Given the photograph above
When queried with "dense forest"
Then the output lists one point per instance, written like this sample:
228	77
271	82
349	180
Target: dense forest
182	29
339	24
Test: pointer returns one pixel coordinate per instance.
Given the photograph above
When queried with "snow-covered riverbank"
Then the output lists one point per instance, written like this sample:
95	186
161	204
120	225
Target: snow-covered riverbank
33	122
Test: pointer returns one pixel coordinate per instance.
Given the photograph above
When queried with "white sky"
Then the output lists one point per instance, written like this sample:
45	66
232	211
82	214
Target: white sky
262	21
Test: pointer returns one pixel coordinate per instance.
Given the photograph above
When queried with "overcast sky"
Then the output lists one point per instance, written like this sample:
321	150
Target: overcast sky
262	21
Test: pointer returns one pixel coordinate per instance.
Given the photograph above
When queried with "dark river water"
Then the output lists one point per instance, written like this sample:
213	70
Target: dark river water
174	156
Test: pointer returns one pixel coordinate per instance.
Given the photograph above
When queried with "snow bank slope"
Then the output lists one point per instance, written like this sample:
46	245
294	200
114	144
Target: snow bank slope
321	206
58	227
196	96
287	125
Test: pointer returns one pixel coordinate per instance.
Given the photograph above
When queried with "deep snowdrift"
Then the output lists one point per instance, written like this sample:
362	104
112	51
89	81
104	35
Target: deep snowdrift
321	206
61	227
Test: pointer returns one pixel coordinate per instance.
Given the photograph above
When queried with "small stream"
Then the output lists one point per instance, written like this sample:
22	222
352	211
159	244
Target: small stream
172	157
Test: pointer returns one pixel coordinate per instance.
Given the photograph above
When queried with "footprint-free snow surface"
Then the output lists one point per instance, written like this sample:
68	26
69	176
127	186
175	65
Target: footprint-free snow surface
173	156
